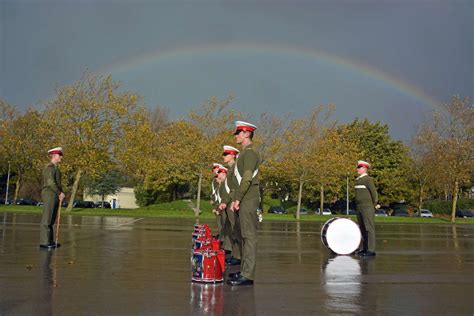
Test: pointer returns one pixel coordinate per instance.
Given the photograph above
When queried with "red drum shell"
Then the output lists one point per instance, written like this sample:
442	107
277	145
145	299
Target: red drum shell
208	265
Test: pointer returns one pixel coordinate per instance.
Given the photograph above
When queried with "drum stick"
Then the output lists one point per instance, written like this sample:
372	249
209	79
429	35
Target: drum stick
57	225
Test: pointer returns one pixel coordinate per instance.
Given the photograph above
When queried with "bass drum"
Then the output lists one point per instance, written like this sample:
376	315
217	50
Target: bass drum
341	235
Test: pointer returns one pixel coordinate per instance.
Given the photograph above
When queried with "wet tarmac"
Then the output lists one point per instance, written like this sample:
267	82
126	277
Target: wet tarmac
135	266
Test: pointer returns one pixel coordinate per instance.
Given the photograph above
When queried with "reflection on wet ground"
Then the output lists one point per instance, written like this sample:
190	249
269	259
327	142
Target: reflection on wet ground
132	266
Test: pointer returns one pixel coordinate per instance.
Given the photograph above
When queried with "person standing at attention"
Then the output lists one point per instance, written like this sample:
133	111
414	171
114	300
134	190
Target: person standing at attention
52	195
366	202
246	201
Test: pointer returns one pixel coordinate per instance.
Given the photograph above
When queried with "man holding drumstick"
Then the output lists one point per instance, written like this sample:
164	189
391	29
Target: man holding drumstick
52	195
366	201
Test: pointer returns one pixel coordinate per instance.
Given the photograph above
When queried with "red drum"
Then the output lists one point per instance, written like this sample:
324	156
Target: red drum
208	265
341	235
197	226
205	242
203	234
201	228
202	242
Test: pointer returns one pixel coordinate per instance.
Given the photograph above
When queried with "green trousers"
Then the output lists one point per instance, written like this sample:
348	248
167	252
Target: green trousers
365	218
235	234
248	220
225	231
50	212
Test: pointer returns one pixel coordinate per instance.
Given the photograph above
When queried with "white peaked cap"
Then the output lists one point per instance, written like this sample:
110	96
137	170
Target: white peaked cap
230	149
363	163
56	150
241	125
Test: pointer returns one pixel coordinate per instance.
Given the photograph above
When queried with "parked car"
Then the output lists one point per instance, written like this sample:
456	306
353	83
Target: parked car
326	211
2	201
83	204
398	205
424	213
380	212
99	204
26	202
340	207
464	213
343	212
277	210
400	212
303	211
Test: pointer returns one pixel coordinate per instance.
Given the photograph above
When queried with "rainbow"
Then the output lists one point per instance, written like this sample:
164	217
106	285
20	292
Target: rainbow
160	56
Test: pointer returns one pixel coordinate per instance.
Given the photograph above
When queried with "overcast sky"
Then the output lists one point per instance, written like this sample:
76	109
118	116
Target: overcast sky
390	61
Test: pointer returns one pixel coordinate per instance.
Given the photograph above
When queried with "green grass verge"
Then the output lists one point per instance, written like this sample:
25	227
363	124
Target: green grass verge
182	209
378	219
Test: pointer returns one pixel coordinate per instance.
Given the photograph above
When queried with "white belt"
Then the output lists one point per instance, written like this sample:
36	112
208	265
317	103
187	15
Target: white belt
239	177
226	186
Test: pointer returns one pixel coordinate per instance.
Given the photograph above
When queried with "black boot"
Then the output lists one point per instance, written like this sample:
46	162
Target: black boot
240	280
359	252
233	262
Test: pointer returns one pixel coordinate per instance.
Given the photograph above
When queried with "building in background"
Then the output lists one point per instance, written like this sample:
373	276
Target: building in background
125	198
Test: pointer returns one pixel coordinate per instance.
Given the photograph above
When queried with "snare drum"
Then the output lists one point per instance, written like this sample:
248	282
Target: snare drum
208	265
205	234
202	242
341	235
201	228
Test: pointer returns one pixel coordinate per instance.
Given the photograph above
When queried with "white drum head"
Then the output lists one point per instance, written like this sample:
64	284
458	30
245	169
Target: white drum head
343	236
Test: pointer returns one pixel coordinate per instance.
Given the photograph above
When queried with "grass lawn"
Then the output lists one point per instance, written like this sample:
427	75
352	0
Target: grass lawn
182	209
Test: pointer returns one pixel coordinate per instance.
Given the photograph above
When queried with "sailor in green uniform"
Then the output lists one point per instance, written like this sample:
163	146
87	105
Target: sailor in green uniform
52	194
232	224
222	195
214	197
246	201
366	203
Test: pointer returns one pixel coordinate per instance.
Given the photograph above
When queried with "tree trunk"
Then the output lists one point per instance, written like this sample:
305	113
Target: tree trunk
103	201
17	188
197	210
455	201
174	192
300	193
75	186
321	196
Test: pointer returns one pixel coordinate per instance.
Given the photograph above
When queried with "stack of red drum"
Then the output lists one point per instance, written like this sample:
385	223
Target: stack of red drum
208	259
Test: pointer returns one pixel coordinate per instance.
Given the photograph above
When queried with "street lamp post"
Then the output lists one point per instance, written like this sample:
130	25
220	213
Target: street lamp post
347	195
8	184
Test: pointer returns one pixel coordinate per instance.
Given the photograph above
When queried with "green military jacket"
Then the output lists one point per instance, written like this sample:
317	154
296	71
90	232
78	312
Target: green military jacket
214	192
231	182
224	192
52	179
365	191
246	174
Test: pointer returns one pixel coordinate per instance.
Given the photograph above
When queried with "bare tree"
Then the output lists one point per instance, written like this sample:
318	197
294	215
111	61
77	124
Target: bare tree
159	117
449	139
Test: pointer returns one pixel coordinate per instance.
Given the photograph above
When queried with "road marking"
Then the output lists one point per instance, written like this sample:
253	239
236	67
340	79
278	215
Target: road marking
129	222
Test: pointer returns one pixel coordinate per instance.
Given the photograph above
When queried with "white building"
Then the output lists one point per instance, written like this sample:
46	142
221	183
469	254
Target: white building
125	198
